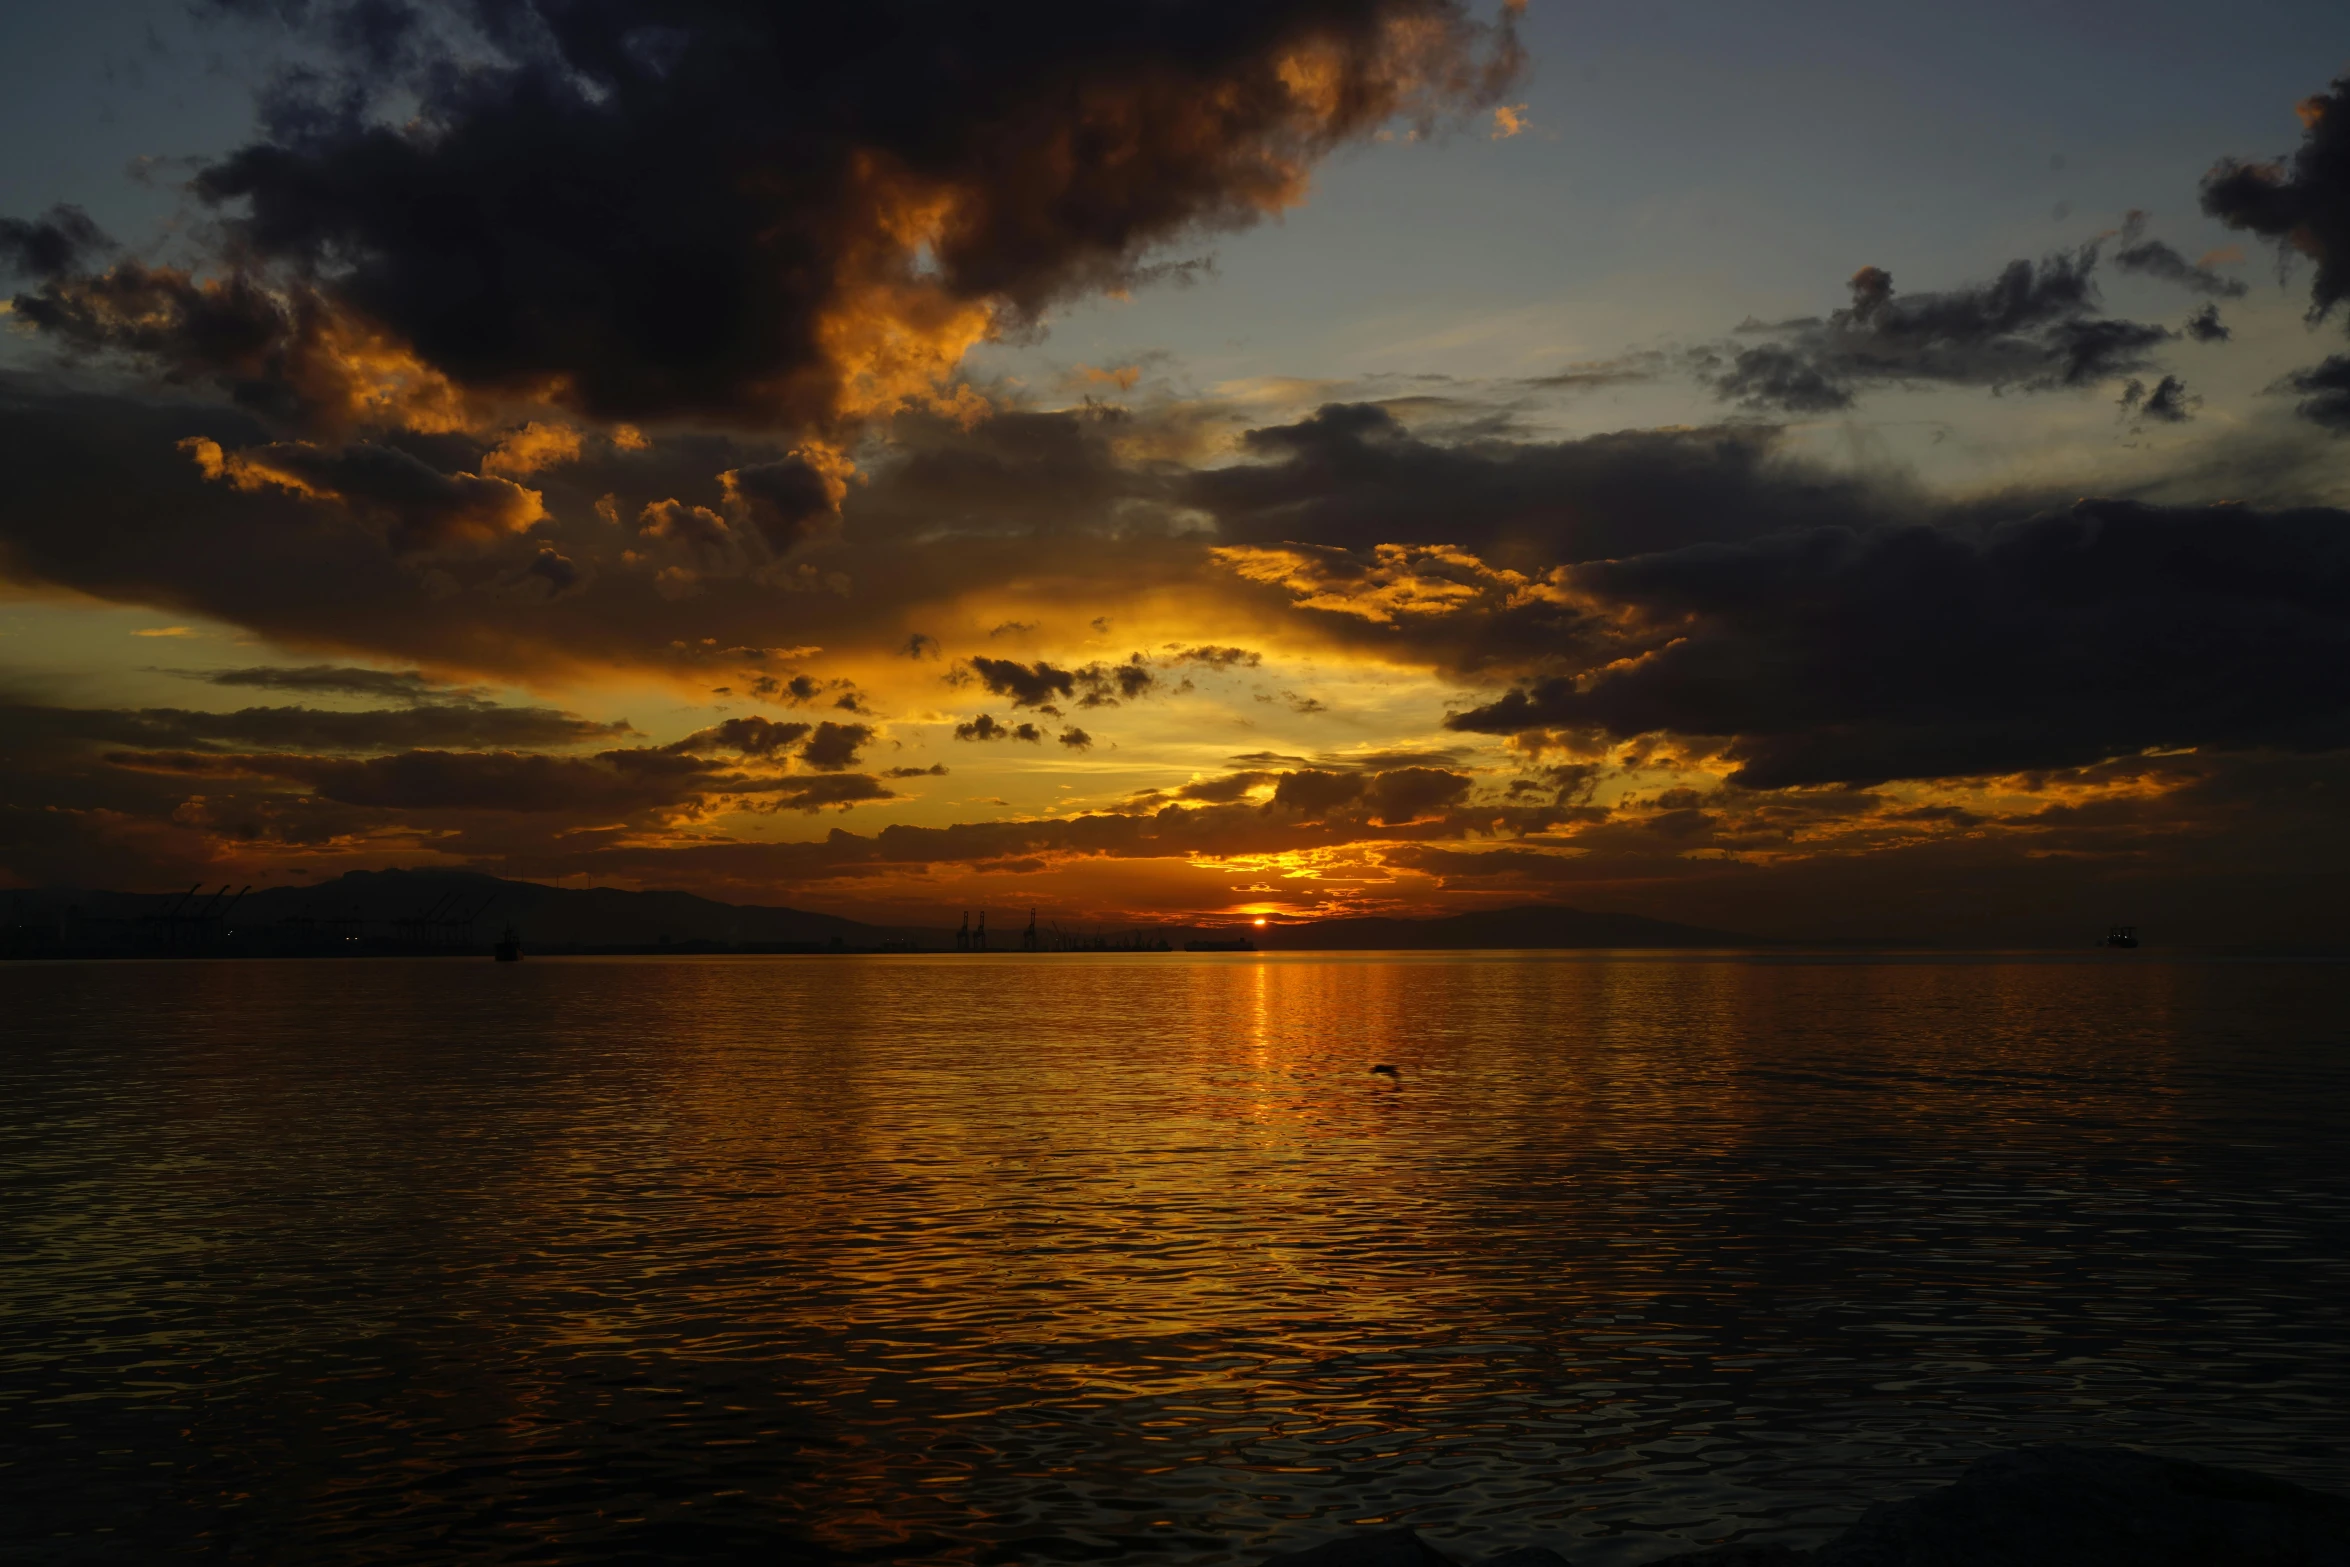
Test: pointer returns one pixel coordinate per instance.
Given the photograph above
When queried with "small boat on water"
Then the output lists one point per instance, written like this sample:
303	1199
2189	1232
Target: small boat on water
2122	936
509	947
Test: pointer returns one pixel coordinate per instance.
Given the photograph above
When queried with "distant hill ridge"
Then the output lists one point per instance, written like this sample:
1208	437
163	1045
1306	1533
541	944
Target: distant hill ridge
383	903
556	918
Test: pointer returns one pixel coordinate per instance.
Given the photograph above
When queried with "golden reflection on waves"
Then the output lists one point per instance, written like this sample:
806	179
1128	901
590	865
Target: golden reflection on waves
996	1259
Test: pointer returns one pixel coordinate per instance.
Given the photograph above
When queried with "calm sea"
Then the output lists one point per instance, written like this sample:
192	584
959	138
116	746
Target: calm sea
1011	1259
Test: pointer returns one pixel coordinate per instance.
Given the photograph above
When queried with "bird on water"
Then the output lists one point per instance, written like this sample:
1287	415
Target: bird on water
1384	1070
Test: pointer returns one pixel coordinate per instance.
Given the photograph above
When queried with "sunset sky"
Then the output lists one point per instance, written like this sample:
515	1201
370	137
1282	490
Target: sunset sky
1804	469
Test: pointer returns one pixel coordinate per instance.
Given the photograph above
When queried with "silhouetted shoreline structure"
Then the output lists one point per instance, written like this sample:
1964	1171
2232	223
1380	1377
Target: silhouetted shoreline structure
417	914
1036	937
438	927
1059	940
176	924
184	925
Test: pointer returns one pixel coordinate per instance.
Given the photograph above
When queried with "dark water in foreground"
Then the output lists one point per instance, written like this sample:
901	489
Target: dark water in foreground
1129	1259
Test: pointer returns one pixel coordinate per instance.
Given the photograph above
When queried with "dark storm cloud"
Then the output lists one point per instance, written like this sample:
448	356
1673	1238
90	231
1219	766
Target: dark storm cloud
2325	389
2302	202
2166	403
103	495
984	727
1595	374
623	781
834	747
2205	326
1216	658
2238	835
800	690
1022	471
1351	475
760	212
1520	866
698	530
2034	327
828	747
638	782
748	736
1832	656
1369	795
59	240
133	794
1339	814
87	823
1311	792
549	574
1106	685
278	353
417	508
788	501
99	499
1386	808
1790	380
1025	685
1226	789
1407	794
438	725
1172	831
341	680
828	791
1567	783
1039	684
2153	258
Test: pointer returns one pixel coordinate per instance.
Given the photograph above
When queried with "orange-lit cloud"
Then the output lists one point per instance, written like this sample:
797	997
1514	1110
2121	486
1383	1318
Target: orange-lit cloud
418	508
1398	582
535	446
287	349
1123	377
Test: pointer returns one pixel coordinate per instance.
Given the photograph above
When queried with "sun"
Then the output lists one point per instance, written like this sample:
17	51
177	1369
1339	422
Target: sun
1260	919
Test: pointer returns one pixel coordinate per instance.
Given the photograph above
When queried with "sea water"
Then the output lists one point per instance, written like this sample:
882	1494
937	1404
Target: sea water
1132	1258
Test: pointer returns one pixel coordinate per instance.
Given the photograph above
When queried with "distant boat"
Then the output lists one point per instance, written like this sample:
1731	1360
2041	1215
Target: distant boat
509	947
2122	936
1236	944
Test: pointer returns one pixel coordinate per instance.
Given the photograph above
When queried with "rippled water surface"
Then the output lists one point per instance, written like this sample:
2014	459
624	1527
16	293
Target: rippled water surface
1131	1258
